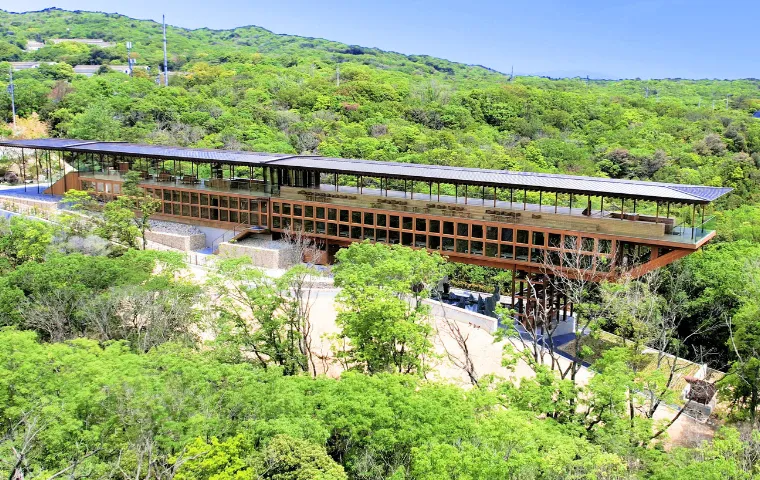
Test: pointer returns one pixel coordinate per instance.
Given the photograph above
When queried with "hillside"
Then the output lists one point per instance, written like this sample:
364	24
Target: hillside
248	88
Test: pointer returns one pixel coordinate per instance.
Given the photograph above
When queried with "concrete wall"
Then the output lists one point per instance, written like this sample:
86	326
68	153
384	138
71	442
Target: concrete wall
262	257
186	243
457	314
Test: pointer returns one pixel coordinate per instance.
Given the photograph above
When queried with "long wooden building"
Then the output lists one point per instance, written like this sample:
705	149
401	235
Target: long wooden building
513	220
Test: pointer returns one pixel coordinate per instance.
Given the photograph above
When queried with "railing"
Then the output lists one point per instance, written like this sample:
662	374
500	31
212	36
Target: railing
226	236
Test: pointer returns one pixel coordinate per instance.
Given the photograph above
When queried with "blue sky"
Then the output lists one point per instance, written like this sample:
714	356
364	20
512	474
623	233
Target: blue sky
618	38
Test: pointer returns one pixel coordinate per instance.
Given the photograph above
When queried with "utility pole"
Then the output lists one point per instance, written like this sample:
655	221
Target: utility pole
166	63
512	75
129	57
12	91
337	76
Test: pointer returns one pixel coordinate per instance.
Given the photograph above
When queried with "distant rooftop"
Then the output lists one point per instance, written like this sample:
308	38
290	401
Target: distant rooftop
418	172
88	41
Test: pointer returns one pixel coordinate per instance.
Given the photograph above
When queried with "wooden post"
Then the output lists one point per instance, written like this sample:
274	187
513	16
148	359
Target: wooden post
465	194
556	201
495	194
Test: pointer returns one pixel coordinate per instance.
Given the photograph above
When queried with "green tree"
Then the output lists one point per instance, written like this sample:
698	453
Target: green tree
384	322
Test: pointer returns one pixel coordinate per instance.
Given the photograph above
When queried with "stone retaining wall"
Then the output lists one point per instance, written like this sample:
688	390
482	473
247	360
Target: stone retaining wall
186	243
457	314
281	258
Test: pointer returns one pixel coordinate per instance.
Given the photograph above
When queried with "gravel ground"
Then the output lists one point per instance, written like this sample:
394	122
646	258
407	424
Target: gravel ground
161	226
263	243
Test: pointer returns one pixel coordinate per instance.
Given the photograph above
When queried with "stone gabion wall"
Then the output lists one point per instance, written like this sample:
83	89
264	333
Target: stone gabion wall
187	243
262	257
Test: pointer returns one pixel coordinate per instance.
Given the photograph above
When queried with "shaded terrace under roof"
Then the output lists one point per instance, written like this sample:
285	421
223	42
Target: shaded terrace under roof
696	194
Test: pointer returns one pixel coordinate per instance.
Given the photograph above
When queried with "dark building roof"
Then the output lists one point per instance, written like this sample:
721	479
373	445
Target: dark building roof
417	172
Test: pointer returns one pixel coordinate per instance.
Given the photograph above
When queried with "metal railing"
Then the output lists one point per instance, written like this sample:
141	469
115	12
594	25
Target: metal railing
228	235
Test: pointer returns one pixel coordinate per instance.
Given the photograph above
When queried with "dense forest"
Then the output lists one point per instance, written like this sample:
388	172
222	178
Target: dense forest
84	392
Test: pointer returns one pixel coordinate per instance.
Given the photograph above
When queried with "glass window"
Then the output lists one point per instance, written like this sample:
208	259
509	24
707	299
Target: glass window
492	233
462	246
448	228
448	244
204	199
343	230
538	238
553	258
536	255
168	208
605	246
407	223
264	207
234	203
369	233
275	222
406	239
463	230
507	251
356	232
204	212
254	219
321	229
394	221
175	209
492	250
286	209
382	235
356	217
521	253
476	248
243	217
555	240
194	211
587	244
175	196
434	242
194	198
332	229
420	241
243	204
435	226
223	215
234	216
420	224
381	220
308	211
255	206
308	226
522	236
224	202
297	210
344	216
275	207
393	237
332	214
185	197
477	230
369	218
507	234
320	212
571	242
